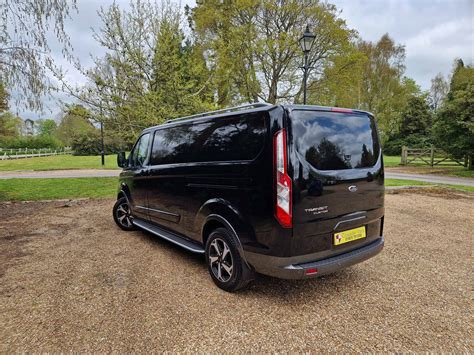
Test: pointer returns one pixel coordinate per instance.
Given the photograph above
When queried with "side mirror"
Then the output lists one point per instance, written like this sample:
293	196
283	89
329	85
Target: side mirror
121	160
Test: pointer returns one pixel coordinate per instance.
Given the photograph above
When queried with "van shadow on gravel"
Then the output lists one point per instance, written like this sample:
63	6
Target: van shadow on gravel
262	285
280	289
161	244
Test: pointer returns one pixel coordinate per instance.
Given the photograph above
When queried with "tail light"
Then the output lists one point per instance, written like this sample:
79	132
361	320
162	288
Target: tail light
283	206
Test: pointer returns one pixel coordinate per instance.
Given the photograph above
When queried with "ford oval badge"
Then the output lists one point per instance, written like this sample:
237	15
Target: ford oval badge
352	188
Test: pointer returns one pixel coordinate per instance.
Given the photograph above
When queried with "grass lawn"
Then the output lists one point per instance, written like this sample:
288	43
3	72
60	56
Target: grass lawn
50	189
390	161
59	162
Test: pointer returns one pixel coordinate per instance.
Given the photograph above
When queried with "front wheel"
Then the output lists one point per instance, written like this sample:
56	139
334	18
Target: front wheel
224	262
123	215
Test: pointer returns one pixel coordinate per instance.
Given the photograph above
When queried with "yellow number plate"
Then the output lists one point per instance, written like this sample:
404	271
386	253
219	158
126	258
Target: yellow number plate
349	236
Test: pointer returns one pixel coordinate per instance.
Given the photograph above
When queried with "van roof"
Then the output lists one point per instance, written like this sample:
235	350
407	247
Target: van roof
258	107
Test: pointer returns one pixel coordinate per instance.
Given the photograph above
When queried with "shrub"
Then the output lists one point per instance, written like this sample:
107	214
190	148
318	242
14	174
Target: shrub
89	143
33	142
393	146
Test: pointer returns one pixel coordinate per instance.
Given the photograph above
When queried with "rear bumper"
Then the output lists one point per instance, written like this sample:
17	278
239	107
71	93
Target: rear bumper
297	267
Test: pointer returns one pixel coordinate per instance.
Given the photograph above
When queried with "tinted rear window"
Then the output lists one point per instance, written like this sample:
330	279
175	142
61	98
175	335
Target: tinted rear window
225	139
336	141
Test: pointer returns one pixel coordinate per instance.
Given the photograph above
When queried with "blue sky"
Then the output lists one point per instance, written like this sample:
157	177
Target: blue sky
434	32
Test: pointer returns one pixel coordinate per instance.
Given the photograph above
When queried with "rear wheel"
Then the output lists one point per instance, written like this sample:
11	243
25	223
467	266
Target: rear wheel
224	262
122	214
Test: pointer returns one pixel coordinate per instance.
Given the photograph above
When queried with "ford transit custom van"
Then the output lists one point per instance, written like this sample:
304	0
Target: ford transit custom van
289	191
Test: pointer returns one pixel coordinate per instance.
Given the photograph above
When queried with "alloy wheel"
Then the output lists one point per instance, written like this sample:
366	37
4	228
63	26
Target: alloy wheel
220	260
124	215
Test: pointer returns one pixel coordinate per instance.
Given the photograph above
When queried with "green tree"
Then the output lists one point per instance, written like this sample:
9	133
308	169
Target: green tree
383	89
253	45
415	125
454	125
149	72
178	66
438	91
416	116
369	76
4	96
46	127
74	121
340	85
10	125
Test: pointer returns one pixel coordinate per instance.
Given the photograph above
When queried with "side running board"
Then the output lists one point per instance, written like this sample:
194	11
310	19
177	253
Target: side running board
171	237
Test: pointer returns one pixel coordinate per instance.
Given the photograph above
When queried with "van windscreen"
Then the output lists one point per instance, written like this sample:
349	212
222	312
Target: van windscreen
335	141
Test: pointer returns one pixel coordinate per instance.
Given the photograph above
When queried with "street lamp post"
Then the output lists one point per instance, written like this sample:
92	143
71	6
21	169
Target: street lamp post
306	42
102	151
100	87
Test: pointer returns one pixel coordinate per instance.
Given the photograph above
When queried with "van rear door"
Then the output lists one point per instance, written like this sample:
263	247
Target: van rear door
338	179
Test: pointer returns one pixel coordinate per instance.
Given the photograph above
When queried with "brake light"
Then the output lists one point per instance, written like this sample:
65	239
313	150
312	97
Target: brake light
343	110
283	206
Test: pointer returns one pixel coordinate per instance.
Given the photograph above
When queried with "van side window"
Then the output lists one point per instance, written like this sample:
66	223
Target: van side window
175	145
140	153
224	139
237	138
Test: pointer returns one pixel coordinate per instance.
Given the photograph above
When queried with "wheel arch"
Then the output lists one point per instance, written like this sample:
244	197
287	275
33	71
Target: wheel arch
124	191
217	213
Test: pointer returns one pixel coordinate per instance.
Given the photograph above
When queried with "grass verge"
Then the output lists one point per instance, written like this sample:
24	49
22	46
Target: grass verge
51	189
403	182
400	182
59	162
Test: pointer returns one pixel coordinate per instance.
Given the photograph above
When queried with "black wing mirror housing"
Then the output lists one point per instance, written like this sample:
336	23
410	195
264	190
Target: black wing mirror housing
121	160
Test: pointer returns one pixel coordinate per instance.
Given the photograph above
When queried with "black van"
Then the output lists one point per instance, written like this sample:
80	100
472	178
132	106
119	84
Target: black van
289	191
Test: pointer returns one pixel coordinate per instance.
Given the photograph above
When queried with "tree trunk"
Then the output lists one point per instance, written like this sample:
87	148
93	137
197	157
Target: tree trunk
273	91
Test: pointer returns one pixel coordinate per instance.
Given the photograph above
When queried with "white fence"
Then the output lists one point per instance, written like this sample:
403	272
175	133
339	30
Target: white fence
6	153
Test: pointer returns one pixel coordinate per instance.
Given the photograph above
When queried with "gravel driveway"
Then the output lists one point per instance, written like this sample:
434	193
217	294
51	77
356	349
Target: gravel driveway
71	280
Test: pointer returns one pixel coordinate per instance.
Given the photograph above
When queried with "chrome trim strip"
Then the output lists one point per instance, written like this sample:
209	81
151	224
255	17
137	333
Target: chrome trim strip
159	211
211	186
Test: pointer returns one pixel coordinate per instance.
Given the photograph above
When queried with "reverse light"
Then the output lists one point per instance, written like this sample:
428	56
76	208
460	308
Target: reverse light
283	208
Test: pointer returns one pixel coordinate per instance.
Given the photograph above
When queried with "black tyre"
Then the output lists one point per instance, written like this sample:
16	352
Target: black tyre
224	263
122	214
